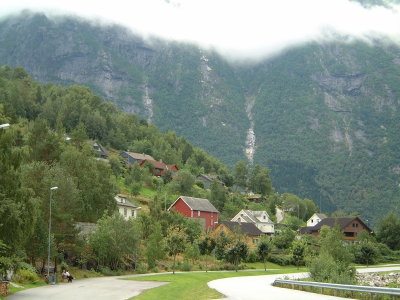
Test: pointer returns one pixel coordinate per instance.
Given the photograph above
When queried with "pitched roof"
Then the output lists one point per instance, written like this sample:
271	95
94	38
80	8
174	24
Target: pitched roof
139	156
321	216
331	222
197	204
243	228
253	215
123	201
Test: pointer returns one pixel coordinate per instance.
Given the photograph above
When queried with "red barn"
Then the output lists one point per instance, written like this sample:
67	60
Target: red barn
197	208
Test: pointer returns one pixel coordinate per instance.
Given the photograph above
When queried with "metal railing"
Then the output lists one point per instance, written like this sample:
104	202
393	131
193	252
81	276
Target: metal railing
343	287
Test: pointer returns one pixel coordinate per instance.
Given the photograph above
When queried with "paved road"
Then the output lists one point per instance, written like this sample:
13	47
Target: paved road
103	288
113	288
260	288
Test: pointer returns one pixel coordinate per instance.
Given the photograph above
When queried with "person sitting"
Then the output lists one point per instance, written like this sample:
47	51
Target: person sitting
63	275
68	276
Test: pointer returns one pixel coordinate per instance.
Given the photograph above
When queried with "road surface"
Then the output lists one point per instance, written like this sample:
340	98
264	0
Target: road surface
101	288
260	287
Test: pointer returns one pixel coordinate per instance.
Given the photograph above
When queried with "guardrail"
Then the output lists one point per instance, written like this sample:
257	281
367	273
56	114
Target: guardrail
343	287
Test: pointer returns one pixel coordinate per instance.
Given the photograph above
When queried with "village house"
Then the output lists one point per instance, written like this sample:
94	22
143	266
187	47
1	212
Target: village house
350	226
249	230
125	207
197	208
100	151
259	218
132	157
315	219
159	167
207	179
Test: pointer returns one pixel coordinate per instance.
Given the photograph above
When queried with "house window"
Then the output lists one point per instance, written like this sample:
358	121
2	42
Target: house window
125	211
198	213
133	213
265	217
312	221
255	241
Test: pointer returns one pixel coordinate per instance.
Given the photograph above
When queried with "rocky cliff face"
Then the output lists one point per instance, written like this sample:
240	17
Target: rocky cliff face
323	118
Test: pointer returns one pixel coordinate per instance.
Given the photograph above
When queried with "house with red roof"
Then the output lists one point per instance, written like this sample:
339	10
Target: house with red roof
159	167
197	208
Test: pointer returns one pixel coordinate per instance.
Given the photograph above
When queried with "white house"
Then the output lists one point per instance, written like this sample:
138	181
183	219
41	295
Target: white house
315	219
125	208
259	218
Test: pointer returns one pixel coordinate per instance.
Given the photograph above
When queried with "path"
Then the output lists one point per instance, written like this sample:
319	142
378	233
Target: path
260	287
101	288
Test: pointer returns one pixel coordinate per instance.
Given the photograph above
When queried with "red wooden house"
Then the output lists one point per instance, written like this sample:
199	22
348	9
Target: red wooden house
159	167
197	208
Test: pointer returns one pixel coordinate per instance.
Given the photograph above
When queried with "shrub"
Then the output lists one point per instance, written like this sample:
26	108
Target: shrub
26	276
186	266
280	259
108	272
252	257
26	266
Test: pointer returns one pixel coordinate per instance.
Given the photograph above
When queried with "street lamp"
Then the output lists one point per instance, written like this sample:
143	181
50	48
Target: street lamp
6	125
48	253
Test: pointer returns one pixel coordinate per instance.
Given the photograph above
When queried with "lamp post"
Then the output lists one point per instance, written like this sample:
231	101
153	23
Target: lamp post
48	252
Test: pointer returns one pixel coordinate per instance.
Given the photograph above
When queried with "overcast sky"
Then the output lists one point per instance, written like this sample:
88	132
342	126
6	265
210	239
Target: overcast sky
236	28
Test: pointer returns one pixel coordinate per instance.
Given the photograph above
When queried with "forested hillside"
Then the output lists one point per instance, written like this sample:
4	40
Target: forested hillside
324	115
49	143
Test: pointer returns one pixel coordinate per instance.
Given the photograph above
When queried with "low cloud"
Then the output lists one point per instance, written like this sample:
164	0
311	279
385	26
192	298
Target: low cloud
241	29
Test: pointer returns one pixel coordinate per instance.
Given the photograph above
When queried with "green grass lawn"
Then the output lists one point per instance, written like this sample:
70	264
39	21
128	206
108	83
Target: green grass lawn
194	285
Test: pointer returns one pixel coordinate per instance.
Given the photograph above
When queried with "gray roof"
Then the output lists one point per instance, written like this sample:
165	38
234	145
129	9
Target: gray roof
243	228
198	204
139	156
321	216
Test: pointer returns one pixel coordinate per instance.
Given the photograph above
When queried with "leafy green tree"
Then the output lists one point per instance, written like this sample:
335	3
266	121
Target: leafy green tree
192	252
264	250
176	242
206	246
298	252
217	195
260	182
240	172
388	231
155	246
236	253
183	183
333	262
115	242
284	239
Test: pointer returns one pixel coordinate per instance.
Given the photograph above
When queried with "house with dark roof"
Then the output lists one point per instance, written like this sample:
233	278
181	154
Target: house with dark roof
125	207
315	219
207	179
249	230
132	157
259	218
100	150
197	208
350	226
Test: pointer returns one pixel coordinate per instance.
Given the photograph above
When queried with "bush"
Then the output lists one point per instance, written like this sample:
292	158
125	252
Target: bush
26	276
280	259
26	266
252	257
108	272
186	266
323	268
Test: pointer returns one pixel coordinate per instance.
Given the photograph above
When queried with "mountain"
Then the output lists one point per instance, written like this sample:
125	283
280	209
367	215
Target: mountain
323	117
